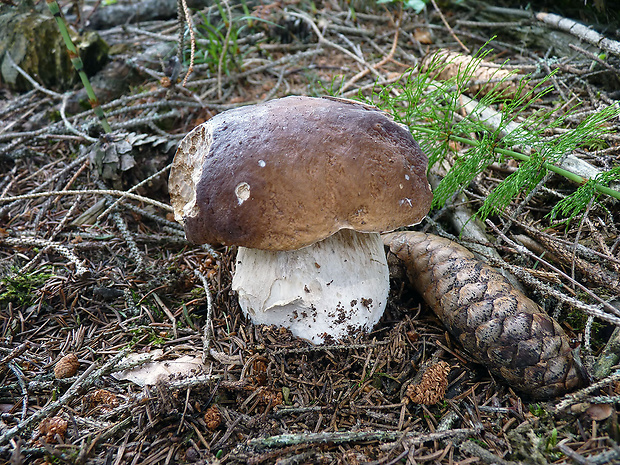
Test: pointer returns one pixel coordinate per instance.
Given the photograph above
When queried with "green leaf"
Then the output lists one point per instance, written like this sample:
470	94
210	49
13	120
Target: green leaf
415	5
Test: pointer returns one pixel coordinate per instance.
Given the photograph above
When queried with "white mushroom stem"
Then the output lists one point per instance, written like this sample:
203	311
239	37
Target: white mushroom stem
321	293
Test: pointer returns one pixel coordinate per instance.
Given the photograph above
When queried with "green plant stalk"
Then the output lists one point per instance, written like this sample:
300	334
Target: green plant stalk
521	156
78	64
430	108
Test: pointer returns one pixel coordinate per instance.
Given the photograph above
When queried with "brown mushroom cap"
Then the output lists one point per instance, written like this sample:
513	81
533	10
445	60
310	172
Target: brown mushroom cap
287	173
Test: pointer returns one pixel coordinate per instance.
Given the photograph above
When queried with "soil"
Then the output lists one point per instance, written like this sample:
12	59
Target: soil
93	264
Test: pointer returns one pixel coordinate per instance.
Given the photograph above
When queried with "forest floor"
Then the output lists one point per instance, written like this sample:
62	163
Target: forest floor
107	283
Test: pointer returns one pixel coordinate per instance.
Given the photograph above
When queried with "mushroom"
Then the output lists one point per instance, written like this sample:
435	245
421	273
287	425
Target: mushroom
303	186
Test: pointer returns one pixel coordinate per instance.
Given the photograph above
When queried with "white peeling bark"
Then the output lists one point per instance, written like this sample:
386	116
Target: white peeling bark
321	293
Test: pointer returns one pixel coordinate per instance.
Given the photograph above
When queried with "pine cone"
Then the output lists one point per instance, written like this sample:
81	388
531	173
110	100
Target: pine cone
432	387
103	398
497	324
50	427
213	418
66	367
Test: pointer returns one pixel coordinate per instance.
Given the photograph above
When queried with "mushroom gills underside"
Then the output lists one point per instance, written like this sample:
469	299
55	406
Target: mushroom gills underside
321	293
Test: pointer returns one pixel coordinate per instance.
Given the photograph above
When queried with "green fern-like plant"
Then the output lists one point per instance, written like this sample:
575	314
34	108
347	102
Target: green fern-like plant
433	111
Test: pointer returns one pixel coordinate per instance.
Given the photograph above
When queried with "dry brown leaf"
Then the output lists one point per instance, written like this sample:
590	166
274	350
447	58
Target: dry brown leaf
599	412
423	36
150	372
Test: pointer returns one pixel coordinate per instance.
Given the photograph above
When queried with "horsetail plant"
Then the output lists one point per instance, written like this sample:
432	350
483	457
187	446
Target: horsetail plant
78	64
433	110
